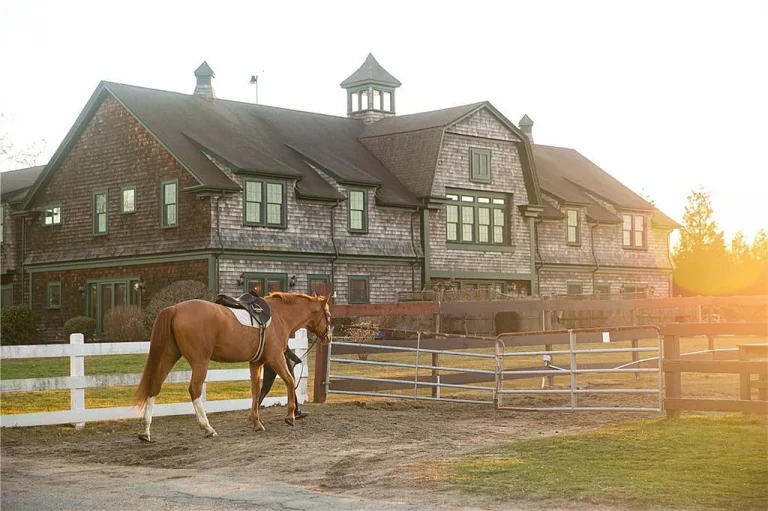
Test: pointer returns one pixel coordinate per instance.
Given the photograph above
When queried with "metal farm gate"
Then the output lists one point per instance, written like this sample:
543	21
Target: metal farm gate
579	359
487	370
414	367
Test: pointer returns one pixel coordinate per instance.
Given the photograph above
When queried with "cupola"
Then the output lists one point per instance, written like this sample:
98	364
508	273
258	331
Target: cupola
370	92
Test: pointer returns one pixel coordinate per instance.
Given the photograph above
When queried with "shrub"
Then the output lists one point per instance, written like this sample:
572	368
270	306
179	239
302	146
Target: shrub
177	292
364	332
124	323
19	326
79	325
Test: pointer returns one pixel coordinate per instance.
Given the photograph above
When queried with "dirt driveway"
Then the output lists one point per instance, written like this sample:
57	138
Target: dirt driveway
359	450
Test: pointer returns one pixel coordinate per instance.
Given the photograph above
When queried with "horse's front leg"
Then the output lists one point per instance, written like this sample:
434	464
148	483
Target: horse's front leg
255	393
281	368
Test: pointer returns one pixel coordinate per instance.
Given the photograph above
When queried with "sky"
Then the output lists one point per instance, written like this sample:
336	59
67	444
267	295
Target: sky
665	96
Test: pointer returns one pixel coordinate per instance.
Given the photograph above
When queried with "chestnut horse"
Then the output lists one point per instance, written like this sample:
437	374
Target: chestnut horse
202	331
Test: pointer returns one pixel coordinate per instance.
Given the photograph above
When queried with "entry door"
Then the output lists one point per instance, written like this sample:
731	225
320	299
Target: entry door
104	296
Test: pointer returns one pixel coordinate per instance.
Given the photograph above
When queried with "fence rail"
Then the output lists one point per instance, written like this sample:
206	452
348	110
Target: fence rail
752	359
78	381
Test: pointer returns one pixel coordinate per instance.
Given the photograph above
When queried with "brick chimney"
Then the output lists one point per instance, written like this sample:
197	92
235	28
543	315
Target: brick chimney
204	88
526	126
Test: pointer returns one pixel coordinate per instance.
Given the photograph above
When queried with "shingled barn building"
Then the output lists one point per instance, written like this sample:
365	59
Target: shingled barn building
150	187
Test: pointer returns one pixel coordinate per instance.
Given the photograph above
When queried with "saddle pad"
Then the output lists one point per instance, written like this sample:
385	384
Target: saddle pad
245	318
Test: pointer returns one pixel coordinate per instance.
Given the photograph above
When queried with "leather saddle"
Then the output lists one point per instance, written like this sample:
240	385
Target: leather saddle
256	306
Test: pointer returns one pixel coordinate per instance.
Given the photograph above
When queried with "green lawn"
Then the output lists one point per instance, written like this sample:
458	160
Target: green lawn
51	400
695	462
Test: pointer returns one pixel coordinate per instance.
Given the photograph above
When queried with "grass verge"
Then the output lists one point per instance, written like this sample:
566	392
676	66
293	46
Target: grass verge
695	462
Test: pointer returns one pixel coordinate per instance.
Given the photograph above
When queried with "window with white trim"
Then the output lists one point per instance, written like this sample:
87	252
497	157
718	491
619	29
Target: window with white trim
52	215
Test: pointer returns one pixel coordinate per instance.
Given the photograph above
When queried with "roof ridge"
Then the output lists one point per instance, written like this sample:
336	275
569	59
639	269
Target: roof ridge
220	100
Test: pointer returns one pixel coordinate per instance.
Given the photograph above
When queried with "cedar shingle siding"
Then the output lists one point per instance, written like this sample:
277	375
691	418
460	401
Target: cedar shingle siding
406	165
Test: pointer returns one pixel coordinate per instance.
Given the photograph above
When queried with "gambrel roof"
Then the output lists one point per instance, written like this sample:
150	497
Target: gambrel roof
264	140
397	155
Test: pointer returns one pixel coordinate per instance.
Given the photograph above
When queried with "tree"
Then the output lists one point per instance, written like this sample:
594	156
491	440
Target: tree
759	247
10	153
647	197
699	232
703	265
740	250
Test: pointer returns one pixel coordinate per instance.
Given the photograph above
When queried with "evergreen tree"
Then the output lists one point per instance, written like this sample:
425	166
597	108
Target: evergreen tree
702	262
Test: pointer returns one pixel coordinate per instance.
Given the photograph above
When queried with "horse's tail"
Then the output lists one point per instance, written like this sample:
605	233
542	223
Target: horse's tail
162	334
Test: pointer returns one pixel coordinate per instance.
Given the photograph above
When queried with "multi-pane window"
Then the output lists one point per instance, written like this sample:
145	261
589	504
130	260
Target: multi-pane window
170	204
128	199
6	295
100	213
104	295
476	218
53	295
253	202
358	289
264	283
480	165
318	284
358	211
603	289
52	215
633	231
264	203
275	204
574	237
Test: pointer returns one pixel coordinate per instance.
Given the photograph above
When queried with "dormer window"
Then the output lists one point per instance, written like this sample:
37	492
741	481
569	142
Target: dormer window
633	231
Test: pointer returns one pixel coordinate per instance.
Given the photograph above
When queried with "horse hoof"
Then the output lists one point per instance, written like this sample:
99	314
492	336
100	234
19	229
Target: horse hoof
144	437
212	434
259	428
289	421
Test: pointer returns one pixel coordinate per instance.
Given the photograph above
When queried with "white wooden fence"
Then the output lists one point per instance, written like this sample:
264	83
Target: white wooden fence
77	382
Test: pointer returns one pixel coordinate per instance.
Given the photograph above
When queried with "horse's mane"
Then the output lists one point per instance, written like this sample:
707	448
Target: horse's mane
291	297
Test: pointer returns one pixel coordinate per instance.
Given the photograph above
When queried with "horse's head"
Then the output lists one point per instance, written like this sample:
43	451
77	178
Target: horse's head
320	322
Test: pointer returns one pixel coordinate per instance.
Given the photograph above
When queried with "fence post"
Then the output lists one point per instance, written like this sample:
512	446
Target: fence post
321	370
745	385
77	374
711	345
672	380
301	343
547	320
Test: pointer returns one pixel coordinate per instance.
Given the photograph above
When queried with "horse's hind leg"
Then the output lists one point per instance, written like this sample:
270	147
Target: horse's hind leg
170	357
199	371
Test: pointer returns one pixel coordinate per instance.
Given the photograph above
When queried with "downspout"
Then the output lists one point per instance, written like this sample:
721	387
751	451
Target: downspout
23	256
594	257
335	249
415	253
221	243
541	259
